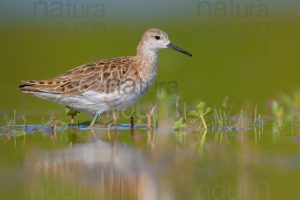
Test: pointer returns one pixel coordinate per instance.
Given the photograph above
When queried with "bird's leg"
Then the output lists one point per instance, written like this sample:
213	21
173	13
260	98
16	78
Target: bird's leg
132	120
94	119
72	120
115	120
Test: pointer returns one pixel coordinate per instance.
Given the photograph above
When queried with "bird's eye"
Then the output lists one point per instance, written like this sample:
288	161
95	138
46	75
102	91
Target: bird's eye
157	37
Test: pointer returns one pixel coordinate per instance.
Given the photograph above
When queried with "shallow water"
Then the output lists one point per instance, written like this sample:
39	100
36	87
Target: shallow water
249	60
108	163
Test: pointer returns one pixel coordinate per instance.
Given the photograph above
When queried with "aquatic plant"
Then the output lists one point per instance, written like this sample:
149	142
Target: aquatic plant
278	112
179	124
72	113
221	116
201	111
291	104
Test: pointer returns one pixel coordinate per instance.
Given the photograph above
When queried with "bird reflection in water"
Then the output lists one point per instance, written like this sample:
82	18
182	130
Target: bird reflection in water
100	169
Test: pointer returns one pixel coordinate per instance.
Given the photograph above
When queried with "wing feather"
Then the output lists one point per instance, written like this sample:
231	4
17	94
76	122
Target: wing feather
101	76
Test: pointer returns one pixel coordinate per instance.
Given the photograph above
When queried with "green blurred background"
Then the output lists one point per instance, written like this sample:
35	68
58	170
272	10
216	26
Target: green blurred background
246	50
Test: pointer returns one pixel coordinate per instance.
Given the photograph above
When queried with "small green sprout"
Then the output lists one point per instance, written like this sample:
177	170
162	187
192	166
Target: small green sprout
200	112
72	113
292	105
278	112
179	124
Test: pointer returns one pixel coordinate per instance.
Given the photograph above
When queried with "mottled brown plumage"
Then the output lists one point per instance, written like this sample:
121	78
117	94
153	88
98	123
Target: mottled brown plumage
101	76
102	86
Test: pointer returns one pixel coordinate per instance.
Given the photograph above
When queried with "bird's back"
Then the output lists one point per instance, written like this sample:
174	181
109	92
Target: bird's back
101	76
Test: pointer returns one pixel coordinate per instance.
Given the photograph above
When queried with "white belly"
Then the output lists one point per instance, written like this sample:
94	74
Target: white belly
118	100
92	101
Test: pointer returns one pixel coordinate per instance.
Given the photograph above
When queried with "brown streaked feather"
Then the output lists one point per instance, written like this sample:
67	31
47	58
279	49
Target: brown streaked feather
104	75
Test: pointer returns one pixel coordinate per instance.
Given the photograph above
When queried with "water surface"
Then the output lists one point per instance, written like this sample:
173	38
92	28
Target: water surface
108	163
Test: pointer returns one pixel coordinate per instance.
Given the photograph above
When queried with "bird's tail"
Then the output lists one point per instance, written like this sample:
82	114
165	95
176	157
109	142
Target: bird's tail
34	86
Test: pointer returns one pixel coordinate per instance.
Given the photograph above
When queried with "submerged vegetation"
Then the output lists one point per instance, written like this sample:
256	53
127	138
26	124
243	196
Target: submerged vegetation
212	127
207	140
284	111
201	112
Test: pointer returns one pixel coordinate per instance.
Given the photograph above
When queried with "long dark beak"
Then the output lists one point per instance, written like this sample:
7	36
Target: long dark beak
176	48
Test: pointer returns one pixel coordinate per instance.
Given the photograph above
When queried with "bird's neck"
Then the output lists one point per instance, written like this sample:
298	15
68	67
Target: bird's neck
148	58
144	50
